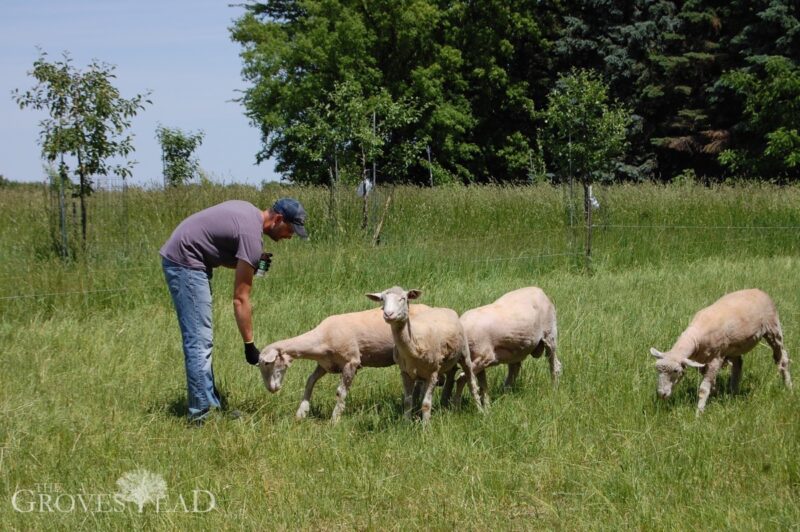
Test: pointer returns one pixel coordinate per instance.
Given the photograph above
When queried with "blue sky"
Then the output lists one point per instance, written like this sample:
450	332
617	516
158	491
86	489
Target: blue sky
181	50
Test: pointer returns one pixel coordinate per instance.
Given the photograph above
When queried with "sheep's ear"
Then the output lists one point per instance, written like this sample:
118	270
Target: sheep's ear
656	353
268	357
692	363
377	296
414	293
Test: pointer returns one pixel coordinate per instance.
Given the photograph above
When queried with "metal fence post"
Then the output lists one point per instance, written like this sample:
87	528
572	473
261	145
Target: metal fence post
587	205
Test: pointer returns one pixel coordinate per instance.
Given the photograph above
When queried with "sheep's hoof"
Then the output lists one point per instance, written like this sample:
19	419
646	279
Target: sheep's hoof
302	411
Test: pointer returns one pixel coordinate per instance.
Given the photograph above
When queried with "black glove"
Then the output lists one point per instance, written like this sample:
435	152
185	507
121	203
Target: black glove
251	353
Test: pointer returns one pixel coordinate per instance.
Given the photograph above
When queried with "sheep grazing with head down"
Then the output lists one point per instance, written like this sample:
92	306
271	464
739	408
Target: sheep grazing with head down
720	333
427	347
339	344
520	323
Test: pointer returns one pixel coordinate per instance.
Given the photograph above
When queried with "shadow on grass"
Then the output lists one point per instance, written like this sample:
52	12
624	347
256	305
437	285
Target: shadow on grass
177	404
685	393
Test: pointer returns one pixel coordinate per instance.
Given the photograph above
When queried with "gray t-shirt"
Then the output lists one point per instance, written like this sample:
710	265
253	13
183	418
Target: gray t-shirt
217	236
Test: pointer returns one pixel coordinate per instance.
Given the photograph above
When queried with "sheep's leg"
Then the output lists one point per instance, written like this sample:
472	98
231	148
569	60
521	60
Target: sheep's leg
538	350
348	373
484	388
779	355
552	359
460	382
466	365
709	377
736	374
513	371
416	399
427	400
305	404
703	372
408	394
449	382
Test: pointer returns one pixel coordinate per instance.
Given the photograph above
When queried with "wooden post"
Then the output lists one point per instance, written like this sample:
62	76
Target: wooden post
376	237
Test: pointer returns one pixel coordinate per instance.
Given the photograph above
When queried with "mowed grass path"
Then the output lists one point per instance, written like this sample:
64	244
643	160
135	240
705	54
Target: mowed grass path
95	388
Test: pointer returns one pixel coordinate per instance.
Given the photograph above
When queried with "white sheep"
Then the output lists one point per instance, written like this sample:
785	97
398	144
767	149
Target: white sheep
427	347
339	344
720	333
518	324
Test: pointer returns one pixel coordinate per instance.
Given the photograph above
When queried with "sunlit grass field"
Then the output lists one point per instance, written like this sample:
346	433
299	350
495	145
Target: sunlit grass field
93	385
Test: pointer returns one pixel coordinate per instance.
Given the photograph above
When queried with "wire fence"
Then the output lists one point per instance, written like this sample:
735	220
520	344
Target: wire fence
111	234
89	276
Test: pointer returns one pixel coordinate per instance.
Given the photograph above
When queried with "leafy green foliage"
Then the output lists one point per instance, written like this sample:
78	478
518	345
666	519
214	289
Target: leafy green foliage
584	134
87	120
87	117
476	71
463	70
346	129
770	90
177	148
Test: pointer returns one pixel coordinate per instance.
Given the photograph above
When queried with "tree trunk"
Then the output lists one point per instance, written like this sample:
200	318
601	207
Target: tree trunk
62	210
82	194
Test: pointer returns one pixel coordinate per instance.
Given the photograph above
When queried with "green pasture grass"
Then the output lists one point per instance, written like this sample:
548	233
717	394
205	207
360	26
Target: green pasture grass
94	385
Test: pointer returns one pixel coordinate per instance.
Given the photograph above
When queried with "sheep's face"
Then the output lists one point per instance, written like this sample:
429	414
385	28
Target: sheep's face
273	367
670	371
394	303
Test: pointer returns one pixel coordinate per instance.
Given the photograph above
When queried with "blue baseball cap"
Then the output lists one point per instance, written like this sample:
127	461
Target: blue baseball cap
293	213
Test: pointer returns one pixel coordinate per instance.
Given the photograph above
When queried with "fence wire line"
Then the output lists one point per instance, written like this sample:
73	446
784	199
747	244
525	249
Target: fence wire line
725	241
757	227
316	253
330	274
305	276
431	242
79	292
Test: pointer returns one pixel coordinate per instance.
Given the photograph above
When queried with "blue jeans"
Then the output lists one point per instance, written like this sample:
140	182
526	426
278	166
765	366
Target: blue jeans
191	295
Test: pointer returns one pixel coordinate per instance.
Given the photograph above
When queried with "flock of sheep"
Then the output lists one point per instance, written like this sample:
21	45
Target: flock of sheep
430	344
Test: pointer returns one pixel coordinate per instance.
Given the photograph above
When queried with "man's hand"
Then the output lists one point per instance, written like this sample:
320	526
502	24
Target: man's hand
263	264
251	353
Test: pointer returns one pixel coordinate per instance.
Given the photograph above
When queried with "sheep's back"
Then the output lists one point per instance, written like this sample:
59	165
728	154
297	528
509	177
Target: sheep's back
518	319
734	323
438	330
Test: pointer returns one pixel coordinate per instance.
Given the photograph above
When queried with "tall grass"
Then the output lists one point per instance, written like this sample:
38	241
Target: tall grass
94	384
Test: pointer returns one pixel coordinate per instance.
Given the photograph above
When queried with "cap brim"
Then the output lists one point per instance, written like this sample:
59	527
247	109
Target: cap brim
300	231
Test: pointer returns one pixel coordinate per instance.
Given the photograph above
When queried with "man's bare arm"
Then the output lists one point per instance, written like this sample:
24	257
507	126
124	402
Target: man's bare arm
241	300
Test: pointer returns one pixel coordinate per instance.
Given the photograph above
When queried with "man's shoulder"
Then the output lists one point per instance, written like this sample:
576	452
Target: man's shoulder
237	205
235	209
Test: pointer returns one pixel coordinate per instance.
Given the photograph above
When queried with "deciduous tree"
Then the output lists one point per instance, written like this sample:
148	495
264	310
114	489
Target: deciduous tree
87	120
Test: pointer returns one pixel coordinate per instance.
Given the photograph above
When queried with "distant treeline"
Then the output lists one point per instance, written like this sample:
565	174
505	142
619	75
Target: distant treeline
438	91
